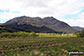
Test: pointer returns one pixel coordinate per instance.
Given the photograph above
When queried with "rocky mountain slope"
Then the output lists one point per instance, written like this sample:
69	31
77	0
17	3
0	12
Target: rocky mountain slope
37	24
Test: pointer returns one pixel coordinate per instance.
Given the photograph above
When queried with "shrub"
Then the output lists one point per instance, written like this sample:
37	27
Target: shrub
33	34
80	33
18	34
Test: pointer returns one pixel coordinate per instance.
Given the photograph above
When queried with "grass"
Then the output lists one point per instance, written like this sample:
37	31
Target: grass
46	46
54	35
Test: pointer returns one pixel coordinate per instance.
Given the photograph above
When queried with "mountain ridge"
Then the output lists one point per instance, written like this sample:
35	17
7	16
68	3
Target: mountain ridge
48	22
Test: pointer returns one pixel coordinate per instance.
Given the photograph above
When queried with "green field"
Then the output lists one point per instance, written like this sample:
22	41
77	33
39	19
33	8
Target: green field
42	46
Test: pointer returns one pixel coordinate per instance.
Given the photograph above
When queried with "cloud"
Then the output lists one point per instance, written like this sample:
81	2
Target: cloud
34	3
6	14
76	21
65	10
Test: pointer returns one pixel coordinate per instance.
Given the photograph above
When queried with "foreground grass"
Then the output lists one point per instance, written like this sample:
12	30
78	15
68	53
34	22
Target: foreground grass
40	46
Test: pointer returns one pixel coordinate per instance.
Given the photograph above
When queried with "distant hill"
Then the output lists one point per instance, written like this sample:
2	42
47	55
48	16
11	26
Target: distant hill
78	28
37	24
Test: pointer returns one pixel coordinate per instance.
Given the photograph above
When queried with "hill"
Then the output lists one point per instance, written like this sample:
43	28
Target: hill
78	28
37	24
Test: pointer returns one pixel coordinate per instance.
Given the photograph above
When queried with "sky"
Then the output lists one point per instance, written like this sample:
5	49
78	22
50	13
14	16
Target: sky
69	11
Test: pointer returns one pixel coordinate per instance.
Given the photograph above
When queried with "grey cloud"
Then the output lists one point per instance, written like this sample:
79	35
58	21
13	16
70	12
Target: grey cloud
34	3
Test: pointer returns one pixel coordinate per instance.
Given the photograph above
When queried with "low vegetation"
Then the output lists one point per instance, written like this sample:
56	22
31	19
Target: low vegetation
79	33
17	34
32	34
39	44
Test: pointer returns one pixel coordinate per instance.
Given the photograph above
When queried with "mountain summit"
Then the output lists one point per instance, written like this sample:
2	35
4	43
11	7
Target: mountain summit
37	24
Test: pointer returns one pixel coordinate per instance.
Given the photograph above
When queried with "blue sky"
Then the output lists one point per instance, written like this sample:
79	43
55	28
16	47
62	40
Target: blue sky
69	11
6	10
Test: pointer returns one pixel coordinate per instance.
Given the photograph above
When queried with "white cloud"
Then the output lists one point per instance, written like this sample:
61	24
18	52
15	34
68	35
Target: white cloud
75	21
43	8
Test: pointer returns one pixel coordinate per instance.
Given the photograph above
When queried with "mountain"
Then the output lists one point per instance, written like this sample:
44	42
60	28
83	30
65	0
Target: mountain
37	24
57	25
1	23
78	28
28	24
